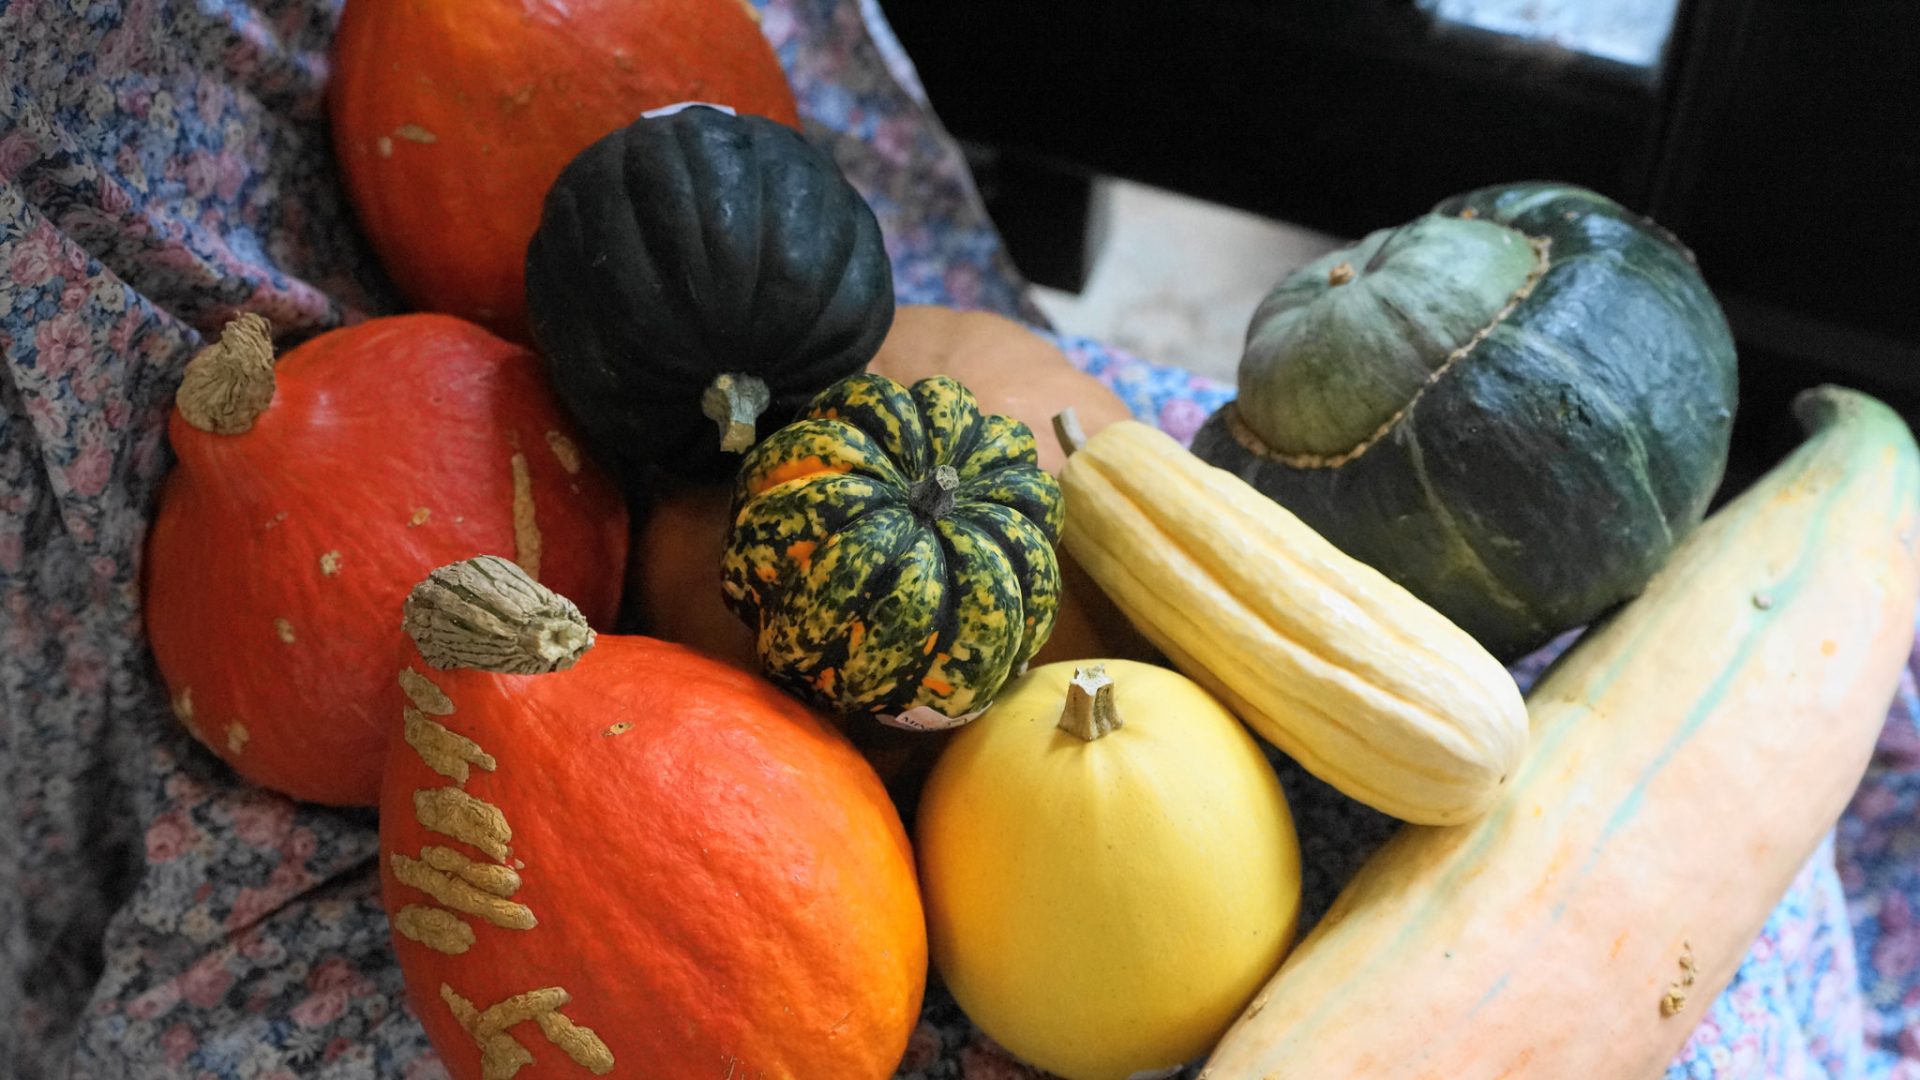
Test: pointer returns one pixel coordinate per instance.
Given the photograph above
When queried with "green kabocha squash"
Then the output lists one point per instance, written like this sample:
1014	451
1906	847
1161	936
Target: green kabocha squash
696	279
893	551
1514	406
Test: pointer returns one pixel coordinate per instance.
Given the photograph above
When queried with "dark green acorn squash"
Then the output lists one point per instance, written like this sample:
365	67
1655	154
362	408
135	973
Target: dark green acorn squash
893	550
1514	406
696	279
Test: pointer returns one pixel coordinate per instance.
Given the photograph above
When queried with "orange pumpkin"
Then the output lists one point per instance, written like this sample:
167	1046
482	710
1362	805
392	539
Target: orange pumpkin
618	856
451	119
311	494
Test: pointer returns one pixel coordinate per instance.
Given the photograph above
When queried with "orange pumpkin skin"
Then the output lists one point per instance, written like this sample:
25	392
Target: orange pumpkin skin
279	556
718	881
452	118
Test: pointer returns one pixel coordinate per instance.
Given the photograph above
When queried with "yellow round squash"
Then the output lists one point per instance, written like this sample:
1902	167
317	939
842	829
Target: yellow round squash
1110	869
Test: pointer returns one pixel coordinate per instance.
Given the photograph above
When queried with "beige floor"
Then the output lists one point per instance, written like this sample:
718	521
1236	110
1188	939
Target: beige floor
1178	278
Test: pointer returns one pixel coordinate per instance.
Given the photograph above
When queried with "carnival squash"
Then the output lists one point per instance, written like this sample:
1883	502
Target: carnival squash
1514	406
614	856
1011	371
311	494
1689	755
695	280
893	551
1368	688
1110	869
451	118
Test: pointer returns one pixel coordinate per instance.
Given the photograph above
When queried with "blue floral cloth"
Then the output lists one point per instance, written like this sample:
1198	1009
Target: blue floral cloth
164	165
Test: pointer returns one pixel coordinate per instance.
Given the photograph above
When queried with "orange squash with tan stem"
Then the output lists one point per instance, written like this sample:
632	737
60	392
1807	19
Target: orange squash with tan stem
618	857
1688	756
451	119
309	497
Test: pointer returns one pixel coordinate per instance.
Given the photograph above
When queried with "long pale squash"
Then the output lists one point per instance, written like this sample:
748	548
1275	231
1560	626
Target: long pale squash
1687	758
1353	676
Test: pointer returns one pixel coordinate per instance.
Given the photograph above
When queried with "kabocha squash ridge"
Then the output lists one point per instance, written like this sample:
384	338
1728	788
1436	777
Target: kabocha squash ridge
695	280
1515	406
1368	688
892	551
1690	754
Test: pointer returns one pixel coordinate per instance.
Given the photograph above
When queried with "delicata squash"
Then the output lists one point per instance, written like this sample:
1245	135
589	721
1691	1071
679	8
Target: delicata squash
1366	686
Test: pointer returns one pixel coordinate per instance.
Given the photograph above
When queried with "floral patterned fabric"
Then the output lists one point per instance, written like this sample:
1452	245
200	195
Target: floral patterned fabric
163	165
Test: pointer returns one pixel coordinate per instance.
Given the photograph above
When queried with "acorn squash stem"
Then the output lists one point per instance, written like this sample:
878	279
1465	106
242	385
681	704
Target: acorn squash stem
735	401
932	497
1090	712
486	613
228	384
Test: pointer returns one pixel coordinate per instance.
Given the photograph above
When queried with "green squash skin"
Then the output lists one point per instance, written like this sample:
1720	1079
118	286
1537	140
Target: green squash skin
865	601
1546	475
691	245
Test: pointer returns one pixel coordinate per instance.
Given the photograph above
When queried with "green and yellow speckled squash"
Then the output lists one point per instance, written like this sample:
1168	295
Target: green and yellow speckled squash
893	550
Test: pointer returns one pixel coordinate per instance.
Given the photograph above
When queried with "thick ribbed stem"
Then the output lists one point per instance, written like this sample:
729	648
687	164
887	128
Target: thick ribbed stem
228	384
1090	712
735	402
932	497
486	613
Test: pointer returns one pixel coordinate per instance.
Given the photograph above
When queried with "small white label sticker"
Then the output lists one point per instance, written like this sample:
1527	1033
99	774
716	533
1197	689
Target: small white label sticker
928	718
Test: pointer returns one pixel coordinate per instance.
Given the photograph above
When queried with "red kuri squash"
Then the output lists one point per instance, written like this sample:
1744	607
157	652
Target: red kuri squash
451	119
616	856
311	494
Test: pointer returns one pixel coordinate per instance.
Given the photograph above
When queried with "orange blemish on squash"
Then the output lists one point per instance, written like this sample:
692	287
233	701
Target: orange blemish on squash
501	1055
450	811
801	551
436	928
1828	648
330	564
765	574
237	736
932	640
444	750
526	531
1518	1064
797	468
425	696
856	633
1618	943
824	680
461	895
567	454
937	685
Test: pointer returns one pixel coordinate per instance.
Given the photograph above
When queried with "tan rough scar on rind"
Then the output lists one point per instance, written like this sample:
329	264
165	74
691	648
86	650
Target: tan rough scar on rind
620	728
419	517
526	530
436	928
444	750
426	696
459	895
567	454
1675	999
450	811
283	630
494	878
237	736
330	564
501	1055
415	133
